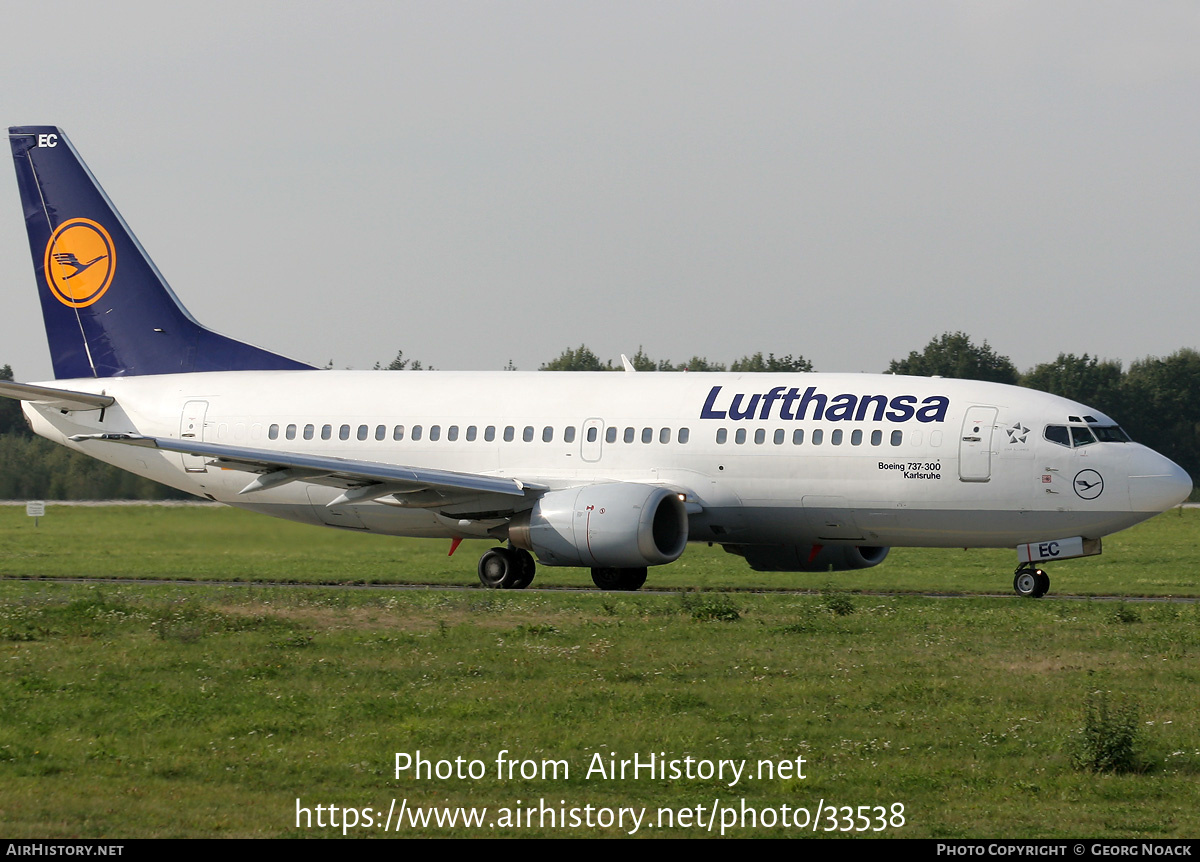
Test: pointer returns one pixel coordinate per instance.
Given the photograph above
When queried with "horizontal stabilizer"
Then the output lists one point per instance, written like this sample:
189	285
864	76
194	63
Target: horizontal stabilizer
60	399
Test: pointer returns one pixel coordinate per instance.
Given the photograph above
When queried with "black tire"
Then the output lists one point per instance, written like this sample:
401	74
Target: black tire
498	569
634	579
607	579
619	580
1031	583
526	568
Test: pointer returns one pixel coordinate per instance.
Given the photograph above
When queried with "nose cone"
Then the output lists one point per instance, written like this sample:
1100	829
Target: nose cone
1156	483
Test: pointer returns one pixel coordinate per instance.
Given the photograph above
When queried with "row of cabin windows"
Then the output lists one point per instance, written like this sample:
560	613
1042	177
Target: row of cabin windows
528	433
816	438
508	434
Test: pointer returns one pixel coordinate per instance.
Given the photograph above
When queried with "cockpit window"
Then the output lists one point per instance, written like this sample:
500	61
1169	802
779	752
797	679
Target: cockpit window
1077	435
1081	436
1058	434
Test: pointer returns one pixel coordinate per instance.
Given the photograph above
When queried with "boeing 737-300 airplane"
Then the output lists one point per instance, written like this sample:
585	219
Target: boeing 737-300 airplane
614	472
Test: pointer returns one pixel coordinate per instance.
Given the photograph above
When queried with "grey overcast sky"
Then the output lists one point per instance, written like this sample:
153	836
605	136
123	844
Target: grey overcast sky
479	182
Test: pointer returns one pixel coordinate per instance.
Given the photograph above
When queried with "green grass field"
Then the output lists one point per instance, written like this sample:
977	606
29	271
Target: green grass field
1157	558
186	710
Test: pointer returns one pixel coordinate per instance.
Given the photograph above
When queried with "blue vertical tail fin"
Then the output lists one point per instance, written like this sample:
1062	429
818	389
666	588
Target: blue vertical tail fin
108	310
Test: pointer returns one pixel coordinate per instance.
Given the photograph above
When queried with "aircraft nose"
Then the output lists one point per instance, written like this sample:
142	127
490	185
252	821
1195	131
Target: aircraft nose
1157	483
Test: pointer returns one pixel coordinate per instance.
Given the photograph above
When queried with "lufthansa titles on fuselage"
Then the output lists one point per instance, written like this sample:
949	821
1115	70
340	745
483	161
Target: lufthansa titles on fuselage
791	404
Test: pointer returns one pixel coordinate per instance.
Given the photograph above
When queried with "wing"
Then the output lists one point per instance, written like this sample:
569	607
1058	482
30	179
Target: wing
59	399
363	481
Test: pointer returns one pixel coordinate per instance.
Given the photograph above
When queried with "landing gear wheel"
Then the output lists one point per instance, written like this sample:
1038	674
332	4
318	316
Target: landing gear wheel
623	580
499	569
634	579
526	567
1031	582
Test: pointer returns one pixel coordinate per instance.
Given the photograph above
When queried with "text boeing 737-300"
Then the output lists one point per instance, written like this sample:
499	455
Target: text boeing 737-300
615	472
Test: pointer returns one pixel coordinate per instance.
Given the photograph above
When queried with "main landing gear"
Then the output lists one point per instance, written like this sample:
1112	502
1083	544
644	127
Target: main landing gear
513	569
619	580
506	569
1030	581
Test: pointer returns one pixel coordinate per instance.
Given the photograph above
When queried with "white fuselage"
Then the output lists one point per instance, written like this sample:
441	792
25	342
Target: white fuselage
863	459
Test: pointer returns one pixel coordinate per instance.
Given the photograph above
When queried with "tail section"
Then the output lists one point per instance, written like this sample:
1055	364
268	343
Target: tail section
108	311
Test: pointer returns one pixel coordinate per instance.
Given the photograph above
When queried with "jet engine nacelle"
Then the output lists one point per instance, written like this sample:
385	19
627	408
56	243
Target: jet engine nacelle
800	558
620	525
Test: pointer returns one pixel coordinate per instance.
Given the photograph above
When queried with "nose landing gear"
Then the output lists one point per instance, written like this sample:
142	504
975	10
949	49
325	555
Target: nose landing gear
1030	581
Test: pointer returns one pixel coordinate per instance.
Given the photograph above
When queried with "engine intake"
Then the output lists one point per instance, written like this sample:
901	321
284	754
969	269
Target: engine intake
617	525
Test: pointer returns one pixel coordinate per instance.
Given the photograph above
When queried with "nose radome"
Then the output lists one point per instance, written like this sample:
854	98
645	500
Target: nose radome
1156	483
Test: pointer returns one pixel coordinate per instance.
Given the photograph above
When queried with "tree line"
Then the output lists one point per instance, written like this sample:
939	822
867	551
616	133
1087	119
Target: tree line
1156	400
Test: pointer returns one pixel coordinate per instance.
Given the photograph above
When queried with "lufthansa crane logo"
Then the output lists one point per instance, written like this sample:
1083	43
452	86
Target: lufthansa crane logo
1089	484
80	262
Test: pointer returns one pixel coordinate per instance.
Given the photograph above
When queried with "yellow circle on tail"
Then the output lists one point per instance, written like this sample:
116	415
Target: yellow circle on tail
80	262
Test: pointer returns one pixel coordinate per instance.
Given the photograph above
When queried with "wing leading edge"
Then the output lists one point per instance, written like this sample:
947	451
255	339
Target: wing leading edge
363	481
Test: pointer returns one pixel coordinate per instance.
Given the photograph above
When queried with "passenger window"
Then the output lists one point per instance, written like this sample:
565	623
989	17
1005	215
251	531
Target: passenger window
362	432
760	436
739	436
380	432
326	432
291	432
569	434
509	433
591	434
1057	434
798	437
472	432
416	432
683	435
817	436
452	433
647	435
836	437
344	432
398	432
547	434
273	432
489	434
897	438
856	437
435	432
628	435
779	435
527	434
610	435
722	435
664	435
309	430
876	438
